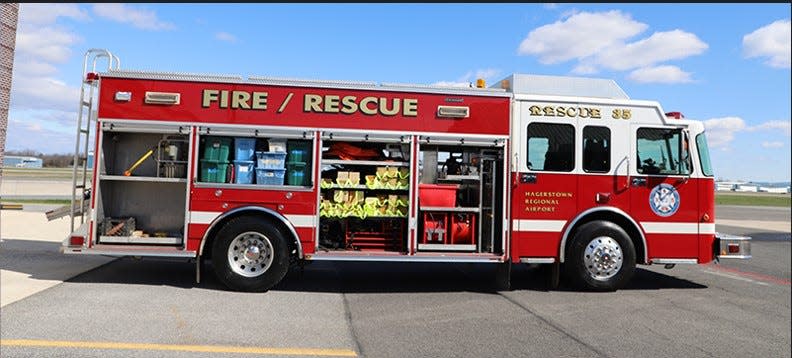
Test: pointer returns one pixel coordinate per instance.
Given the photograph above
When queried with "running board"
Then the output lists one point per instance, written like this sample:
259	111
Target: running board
126	250
405	258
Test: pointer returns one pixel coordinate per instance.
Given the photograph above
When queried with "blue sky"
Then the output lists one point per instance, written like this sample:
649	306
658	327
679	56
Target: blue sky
727	65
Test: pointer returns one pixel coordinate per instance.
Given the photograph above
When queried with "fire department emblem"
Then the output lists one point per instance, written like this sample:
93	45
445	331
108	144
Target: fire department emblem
664	200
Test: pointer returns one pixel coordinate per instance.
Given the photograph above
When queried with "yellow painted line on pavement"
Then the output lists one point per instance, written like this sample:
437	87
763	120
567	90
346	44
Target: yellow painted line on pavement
178	347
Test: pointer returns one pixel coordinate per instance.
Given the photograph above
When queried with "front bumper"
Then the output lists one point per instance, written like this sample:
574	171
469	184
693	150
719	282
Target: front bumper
728	246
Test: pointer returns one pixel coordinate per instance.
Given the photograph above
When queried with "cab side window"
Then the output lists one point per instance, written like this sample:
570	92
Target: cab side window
551	147
596	149
662	151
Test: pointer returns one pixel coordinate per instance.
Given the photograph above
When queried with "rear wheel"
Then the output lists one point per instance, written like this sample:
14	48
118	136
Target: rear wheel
601	257
249	254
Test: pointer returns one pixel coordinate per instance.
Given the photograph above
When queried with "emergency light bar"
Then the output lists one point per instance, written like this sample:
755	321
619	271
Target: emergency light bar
162	98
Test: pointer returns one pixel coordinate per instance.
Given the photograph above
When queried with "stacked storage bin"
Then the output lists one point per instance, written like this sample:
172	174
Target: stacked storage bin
243	165
296	162
214	164
270	165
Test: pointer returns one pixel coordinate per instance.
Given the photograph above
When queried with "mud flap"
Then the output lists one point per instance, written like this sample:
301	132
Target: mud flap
503	276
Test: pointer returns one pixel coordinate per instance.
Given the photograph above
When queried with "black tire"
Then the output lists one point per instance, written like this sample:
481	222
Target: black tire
245	268
608	269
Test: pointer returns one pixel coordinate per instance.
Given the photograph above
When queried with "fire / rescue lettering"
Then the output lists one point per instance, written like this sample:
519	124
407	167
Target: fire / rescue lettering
348	105
238	99
407	107
364	107
561	111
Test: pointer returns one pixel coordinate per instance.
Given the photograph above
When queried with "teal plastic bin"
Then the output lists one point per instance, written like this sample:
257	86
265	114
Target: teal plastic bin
213	171
216	148
296	173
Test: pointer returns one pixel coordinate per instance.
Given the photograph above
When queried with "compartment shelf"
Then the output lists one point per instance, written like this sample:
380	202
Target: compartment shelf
446	209
140	240
364	162
459	178
362	187
446	247
141	179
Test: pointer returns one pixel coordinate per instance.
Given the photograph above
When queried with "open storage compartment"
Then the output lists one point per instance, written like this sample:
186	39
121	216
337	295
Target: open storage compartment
364	193
253	158
459	185
142	184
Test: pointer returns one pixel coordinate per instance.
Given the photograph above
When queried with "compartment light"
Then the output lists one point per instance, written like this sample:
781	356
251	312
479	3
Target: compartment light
162	98
453	111
123	96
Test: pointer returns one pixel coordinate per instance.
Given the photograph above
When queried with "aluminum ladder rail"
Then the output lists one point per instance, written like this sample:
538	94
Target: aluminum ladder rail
85	118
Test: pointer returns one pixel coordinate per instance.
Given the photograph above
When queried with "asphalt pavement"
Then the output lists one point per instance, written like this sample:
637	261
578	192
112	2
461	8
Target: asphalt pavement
153	308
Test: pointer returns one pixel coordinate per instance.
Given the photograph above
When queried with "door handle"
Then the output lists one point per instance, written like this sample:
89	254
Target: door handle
527	178
638	181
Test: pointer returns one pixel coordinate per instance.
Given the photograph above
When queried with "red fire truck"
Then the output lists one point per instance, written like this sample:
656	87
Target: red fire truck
259	174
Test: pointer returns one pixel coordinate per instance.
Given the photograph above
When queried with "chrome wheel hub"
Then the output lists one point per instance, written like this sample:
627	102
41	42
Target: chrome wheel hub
250	254
603	258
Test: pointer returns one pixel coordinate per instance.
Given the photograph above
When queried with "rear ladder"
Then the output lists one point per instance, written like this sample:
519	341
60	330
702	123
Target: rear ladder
85	117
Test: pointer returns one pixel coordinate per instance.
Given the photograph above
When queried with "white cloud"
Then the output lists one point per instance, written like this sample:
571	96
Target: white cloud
35	67
599	40
29	134
584	69
44	93
771	42
49	44
660	74
225	36
720	131
772	144
579	36
783	126
41	45
48	13
660	47
139	18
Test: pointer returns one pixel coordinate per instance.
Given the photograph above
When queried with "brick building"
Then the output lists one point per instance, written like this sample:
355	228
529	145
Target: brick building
9	14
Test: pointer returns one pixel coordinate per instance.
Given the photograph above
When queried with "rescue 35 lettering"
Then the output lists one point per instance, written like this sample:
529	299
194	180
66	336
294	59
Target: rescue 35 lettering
580	112
313	103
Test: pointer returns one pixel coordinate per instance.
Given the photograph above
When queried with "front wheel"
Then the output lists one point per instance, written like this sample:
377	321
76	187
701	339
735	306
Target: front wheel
601	257
249	254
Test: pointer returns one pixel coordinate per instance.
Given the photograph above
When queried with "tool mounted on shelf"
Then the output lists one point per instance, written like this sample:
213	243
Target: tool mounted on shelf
140	161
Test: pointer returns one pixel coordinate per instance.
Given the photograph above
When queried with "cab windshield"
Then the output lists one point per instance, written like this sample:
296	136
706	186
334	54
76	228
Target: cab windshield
703	153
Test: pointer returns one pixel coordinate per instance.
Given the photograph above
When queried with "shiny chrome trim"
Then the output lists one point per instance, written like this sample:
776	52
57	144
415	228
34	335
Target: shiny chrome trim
602	208
236	79
181	76
537	260
275	214
741	257
674	261
405	258
123	252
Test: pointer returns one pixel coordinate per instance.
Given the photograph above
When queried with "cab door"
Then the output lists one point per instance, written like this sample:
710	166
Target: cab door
663	198
544	180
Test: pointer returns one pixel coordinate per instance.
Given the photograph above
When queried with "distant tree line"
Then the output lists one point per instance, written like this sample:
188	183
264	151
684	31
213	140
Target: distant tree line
49	160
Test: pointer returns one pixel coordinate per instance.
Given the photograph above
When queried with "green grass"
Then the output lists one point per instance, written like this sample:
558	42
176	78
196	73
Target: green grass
780	200
37	201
